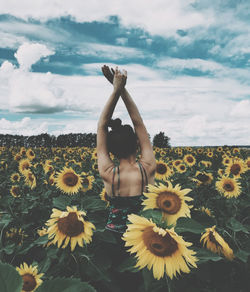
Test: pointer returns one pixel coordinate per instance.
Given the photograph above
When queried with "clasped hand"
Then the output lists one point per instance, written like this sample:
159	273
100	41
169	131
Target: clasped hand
116	77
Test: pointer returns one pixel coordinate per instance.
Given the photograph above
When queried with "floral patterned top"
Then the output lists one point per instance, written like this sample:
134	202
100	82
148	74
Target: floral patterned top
121	207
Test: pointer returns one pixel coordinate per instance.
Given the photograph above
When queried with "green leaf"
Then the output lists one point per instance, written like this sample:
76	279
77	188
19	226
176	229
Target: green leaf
236	226
128	265
10	280
205	255
61	202
105	236
9	249
42	240
65	285
189	225
242	255
155	215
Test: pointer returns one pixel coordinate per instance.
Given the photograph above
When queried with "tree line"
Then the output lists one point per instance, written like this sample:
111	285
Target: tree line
65	140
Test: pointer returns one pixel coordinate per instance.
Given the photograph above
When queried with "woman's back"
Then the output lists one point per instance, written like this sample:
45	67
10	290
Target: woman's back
128	202
126	179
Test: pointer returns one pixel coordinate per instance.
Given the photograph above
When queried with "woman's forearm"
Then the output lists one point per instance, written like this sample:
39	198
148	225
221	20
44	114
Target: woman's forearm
131	107
109	109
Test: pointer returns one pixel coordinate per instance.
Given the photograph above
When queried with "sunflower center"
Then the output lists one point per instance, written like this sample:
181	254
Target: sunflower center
70	225
25	166
16	191
228	186
190	159
177	162
235	169
203	177
85	181
169	202
29	282
213	239
70	179
161	168
182	167
159	245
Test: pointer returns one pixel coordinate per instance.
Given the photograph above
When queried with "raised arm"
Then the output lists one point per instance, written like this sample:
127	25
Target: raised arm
147	154
105	164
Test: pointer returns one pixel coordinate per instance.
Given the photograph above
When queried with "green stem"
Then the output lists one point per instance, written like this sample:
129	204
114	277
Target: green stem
168	284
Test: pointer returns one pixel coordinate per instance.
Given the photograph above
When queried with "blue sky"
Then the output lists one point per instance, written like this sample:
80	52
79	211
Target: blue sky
187	62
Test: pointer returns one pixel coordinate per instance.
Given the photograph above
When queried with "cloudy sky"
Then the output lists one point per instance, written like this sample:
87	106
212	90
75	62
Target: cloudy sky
187	61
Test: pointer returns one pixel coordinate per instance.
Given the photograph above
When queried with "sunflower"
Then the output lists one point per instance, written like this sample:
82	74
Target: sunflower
22	151
219	149
68	181
170	200
199	150
57	159
16	235
30	154
206	211
205	163
203	178
15	191
31	278
24	165
94	155
163	171
17	157
181	168
236	167
189	159
30	179
236	151
156	248
216	243
228	187
15	177
226	160
220	172
210	154
48	168
69	226
177	162
87	183
104	195
247	163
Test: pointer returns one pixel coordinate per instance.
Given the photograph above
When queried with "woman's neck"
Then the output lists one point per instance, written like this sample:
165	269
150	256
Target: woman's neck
128	161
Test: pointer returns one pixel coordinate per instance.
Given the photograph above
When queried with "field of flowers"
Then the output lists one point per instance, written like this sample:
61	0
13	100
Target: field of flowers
192	234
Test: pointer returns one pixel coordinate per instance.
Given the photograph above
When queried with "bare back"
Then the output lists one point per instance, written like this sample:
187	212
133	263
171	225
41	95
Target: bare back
130	183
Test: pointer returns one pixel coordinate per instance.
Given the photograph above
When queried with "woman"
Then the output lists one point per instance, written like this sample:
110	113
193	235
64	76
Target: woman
125	183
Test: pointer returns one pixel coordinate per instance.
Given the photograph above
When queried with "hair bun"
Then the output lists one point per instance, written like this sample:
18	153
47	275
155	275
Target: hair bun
115	124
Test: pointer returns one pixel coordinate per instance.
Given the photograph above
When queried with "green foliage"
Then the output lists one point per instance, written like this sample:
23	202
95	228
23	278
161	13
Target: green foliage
90	267
10	280
65	285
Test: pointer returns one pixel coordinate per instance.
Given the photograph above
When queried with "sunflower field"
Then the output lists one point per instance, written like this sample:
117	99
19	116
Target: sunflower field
191	235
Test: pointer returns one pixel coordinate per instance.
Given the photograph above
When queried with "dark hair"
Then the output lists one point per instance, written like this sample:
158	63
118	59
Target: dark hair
122	140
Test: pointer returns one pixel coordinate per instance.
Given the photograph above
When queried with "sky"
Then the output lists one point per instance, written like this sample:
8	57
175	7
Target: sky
187	62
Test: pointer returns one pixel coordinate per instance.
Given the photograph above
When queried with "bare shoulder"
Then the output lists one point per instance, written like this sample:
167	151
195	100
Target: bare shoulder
106	173
150	166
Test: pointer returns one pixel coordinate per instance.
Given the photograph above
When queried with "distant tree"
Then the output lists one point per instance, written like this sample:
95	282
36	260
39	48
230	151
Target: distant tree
161	140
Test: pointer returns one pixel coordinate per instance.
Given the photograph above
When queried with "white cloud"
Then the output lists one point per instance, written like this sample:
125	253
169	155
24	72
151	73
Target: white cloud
29	53
158	17
195	126
121	41
109	51
24	127
241	109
